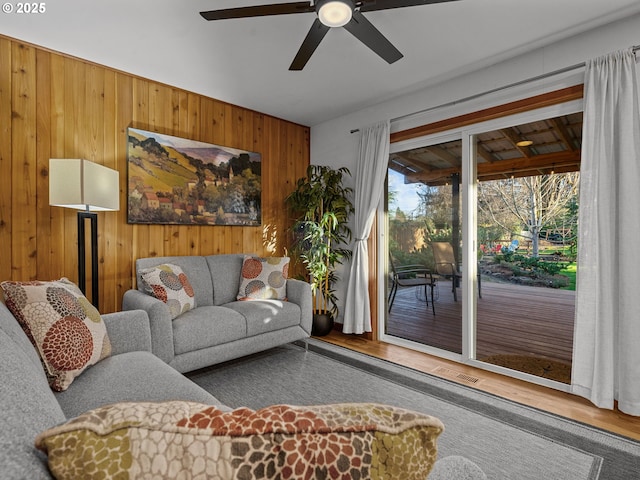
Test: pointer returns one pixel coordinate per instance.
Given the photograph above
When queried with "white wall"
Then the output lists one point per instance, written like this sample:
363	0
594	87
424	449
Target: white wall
333	144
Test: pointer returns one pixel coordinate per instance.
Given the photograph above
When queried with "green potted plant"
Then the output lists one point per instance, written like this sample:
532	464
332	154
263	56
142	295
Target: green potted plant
322	206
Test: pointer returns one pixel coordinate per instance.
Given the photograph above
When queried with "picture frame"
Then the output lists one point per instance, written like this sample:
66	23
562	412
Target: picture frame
178	181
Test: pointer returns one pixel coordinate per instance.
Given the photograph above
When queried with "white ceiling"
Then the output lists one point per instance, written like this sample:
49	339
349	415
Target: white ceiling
245	61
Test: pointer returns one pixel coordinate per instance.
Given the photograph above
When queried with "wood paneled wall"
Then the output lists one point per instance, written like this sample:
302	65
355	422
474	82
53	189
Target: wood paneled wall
55	106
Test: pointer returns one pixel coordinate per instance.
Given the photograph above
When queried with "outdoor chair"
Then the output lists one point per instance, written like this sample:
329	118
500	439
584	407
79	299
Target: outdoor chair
447	266
411	276
513	247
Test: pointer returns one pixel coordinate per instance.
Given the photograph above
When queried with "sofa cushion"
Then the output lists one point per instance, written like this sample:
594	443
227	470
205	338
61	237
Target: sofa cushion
194	267
65	328
225	276
205	327
263	278
185	439
168	282
132	376
267	315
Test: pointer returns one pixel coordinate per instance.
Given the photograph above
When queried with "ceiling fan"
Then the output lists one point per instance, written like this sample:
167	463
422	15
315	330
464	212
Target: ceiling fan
330	14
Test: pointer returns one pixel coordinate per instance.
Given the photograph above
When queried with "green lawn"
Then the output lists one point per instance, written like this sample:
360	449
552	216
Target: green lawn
570	271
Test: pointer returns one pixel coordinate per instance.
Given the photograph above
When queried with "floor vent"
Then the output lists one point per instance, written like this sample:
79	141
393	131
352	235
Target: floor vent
447	372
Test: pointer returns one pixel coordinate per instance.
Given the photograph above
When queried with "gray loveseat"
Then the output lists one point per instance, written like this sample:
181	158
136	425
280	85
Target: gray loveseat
220	328
28	406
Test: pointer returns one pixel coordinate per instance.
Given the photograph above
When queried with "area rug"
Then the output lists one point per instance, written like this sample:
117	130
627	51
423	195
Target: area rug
541	367
507	440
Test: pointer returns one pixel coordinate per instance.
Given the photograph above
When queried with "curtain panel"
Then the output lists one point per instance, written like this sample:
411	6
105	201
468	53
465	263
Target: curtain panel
371	170
606	351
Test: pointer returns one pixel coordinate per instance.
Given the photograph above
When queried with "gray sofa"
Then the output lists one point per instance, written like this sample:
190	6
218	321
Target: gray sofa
29	406
220	328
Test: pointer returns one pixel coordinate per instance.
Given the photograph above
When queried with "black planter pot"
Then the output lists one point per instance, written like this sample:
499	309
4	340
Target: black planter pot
322	324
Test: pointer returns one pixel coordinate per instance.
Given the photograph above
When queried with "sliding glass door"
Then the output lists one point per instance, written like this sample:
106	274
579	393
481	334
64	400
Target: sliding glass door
490	213
527	205
424	208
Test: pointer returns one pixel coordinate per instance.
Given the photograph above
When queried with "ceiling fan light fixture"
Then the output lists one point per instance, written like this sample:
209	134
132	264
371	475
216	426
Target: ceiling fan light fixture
335	13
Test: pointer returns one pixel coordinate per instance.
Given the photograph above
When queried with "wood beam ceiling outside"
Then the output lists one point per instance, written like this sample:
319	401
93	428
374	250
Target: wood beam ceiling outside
445	155
514	137
406	162
558	162
563	131
409	159
486	156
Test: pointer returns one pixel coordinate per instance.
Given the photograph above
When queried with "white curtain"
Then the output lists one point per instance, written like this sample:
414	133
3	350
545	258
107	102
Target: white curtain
369	185
606	350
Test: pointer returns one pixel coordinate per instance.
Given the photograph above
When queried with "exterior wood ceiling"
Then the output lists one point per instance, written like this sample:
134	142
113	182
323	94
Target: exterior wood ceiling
555	148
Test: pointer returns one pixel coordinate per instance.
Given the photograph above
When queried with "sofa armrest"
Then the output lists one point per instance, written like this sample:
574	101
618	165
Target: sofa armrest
128	331
159	322
299	292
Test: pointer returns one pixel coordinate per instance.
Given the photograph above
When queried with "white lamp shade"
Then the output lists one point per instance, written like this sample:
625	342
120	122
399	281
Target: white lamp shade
83	185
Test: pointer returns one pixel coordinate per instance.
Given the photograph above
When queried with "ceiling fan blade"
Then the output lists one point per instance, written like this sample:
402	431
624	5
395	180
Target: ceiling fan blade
259	11
312	40
364	31
374	5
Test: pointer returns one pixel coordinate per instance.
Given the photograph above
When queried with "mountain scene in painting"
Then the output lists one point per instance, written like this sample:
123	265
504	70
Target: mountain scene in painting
173	180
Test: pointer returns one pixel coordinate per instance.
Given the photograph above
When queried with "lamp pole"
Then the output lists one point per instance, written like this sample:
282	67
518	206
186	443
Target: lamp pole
82	270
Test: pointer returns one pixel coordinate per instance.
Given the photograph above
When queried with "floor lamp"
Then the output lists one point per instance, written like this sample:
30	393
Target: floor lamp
88	187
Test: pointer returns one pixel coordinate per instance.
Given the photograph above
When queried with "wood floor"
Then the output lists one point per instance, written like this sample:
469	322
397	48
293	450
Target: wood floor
544	398
512	320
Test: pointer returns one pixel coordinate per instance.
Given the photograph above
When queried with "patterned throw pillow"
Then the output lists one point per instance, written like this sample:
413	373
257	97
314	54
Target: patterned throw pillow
264	278
190	440
169	283
67	331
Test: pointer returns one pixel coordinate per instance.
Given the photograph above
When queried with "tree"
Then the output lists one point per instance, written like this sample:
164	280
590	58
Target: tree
436	203
392	199
535	202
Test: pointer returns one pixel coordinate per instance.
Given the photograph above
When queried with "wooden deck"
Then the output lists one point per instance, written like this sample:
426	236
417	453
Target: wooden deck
512	319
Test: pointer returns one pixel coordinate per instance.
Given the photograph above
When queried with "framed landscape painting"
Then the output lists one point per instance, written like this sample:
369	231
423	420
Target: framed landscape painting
174	180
